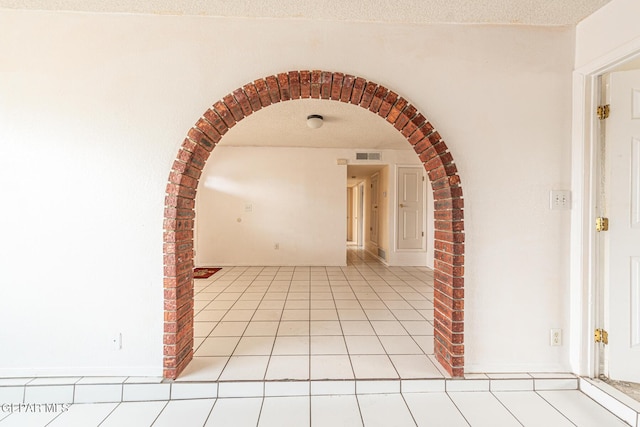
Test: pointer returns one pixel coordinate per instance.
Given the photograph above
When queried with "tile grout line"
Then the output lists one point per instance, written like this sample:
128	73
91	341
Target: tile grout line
553	406
309	344
264	376
212	300
376	332
504	406
110	413
411	336
355	376
206	420
456	406
409	409
222	320
580	380
344	339
160	413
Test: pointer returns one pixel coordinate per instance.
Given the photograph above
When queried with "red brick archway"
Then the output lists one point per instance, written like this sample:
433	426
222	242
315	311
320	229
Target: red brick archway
179	211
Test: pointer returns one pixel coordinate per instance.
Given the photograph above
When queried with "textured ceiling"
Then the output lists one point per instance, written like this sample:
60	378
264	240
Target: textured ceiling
345	126
531	12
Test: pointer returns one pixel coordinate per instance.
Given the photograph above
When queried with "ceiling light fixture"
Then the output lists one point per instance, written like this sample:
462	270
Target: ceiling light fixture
314	121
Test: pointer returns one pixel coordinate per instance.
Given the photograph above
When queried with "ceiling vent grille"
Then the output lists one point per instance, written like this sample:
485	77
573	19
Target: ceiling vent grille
368	156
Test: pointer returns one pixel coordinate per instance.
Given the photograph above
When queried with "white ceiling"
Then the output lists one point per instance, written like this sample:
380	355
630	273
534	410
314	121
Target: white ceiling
358	173
530	12
345	126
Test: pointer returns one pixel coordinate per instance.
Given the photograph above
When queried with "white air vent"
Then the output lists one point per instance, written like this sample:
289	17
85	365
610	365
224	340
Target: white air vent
368	156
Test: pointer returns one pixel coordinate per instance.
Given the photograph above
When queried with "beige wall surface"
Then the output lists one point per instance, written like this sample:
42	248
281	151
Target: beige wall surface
93	109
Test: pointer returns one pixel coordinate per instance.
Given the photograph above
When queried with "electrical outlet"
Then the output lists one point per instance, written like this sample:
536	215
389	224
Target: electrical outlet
560	199
555	337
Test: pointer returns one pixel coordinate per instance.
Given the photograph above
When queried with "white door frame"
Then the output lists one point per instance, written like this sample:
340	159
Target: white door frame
374	205
584	283
360	213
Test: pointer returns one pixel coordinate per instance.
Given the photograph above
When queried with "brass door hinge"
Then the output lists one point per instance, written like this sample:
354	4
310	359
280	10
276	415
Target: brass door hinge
602	224
600	335
603	111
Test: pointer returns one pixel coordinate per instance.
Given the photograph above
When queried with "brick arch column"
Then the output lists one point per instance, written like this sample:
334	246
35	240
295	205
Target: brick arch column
179	210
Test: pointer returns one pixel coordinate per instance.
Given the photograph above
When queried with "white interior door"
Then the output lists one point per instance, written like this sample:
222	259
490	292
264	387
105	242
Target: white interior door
374	221
410	208
623	238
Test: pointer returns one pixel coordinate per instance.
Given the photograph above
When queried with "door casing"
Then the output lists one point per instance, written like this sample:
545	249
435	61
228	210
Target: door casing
614	190
374	209
360	214
586	287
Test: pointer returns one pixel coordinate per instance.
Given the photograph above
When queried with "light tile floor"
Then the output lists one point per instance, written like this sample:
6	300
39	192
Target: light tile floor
362	321
477	409
364	326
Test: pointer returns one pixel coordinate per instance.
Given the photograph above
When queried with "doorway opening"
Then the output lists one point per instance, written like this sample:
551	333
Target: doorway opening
360	213
369	203
355	209
592	258
618	260
352	219
388	105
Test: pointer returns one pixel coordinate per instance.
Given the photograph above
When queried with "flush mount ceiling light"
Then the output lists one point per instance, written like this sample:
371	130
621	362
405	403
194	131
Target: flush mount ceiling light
314	121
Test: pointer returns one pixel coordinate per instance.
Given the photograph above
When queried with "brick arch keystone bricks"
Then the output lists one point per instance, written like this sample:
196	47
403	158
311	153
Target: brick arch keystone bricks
179	210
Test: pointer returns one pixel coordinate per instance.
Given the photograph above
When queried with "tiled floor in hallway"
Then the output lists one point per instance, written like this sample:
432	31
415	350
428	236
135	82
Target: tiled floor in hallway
564	408
361	321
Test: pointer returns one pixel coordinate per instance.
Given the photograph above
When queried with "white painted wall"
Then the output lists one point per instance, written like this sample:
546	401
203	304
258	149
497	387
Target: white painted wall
93	109
297	200
604	35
